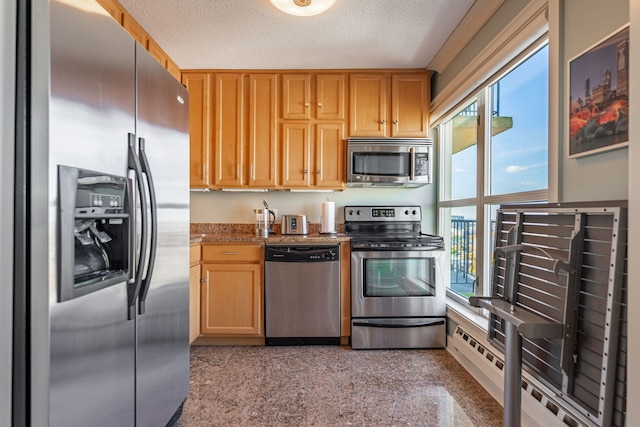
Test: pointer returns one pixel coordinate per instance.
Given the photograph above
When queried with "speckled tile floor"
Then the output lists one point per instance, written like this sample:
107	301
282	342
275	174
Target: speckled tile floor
333	386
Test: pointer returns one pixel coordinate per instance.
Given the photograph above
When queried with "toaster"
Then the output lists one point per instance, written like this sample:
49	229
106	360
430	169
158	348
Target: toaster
295	224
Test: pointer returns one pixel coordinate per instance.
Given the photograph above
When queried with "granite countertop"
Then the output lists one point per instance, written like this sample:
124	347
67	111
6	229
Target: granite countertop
243	233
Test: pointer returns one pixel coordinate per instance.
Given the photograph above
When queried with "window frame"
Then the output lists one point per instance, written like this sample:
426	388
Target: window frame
482	201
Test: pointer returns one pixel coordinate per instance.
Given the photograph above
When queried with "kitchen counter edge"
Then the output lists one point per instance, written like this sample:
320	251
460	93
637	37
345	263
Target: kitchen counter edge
272	239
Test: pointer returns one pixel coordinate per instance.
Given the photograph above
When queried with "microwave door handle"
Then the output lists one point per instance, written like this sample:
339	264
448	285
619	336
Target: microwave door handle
146	281
134	288
412	169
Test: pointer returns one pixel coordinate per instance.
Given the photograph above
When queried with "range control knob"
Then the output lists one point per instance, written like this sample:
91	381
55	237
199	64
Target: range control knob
359	212
406	212
415	212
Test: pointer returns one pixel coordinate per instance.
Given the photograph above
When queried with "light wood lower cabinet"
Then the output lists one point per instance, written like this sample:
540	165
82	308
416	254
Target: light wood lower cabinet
194	292
231	297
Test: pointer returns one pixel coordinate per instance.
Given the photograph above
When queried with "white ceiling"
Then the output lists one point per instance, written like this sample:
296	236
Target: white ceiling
252	34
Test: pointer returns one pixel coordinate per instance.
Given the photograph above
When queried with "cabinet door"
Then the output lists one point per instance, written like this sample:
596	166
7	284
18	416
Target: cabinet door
296	155
201	141
367	105
194	302
330	96
296	94
329	155
231	300
410	105
262	130
228	130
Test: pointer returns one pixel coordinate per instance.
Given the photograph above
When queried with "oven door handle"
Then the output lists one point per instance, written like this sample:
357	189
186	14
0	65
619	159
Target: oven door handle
370	324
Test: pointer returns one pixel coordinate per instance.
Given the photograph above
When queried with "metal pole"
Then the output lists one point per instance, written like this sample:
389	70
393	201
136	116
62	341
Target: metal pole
512	375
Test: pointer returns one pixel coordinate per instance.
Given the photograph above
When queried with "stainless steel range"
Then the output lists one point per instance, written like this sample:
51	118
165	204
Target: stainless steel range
397	290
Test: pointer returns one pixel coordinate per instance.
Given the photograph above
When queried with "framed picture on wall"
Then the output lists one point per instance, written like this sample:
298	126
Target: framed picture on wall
599	96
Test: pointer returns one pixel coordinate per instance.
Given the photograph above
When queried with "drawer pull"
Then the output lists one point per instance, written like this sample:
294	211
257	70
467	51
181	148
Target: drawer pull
230	253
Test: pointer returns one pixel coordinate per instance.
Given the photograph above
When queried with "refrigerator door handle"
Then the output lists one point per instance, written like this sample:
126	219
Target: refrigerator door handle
133	288
146	282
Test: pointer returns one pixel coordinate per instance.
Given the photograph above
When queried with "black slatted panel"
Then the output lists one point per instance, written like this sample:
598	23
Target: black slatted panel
551	227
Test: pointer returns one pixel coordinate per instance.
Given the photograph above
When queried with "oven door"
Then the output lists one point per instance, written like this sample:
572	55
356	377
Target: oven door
397	283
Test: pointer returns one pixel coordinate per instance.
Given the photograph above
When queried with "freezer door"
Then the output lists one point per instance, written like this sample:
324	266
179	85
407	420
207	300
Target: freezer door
163	309
91	354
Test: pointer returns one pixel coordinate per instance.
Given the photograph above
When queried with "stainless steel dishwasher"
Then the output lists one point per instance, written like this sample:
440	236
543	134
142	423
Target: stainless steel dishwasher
302	294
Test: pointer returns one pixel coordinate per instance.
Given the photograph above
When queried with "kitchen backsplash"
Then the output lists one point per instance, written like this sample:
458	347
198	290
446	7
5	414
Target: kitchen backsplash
218	207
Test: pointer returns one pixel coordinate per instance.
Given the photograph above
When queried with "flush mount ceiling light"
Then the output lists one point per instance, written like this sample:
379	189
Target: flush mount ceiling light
303	7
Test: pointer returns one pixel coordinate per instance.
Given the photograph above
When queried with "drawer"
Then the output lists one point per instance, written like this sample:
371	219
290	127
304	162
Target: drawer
194	254
232	253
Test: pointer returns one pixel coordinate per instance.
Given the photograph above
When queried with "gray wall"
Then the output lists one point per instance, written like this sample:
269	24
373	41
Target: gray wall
505	13
601	176
633	368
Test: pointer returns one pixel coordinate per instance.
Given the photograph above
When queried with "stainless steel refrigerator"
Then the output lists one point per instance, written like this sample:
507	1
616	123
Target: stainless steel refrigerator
99	320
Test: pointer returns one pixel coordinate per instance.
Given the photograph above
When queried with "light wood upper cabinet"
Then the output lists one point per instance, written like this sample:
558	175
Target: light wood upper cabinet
367	105
409	105
313	114
296	96
200	90
114	9
296	154
173	69
156	51
313	159
262	158
329	164
136	30
231	300
288	130
122	17
379	111
228	129
330	96
301	102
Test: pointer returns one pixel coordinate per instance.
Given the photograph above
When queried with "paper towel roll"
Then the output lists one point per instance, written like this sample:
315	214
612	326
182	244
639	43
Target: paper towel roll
328	217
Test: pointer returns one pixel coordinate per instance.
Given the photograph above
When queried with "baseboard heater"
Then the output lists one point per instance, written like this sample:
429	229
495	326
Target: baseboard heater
540	405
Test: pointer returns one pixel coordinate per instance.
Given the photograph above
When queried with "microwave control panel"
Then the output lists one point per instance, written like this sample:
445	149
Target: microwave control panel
422	164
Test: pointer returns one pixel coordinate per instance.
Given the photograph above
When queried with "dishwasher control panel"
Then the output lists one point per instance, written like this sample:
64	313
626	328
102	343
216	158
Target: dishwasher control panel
300	253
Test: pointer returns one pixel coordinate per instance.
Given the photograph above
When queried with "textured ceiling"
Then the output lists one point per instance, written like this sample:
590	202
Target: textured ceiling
252	34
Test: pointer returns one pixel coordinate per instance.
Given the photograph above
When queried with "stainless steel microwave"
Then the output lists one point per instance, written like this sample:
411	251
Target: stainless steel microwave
389	162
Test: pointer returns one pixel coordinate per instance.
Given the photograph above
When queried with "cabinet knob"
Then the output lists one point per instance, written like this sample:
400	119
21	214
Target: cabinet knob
382	122
395	122
318	171
320	104
306	104
305	171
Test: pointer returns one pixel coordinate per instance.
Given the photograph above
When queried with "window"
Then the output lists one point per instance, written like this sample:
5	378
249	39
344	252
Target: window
493	150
